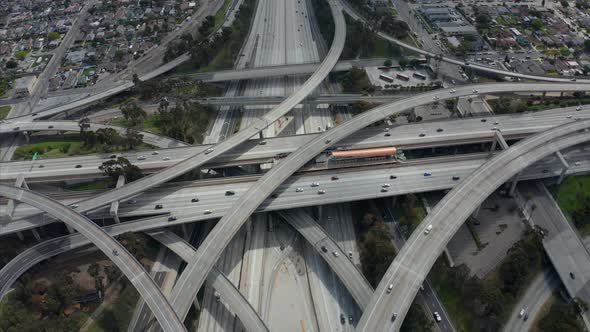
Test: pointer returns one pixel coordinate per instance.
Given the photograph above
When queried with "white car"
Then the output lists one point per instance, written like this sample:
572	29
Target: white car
299	190
389	288
475	91
428	229
386	185
335	253
141	158
315	184
165	158
321	192
453	91
437	317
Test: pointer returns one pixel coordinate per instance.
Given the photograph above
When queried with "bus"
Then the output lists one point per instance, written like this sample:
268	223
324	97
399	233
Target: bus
386	78
402	77
419	76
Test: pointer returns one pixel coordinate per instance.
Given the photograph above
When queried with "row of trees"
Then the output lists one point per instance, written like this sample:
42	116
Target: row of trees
362	41
36	306
376	249
227	43
187	121
108	139
491	300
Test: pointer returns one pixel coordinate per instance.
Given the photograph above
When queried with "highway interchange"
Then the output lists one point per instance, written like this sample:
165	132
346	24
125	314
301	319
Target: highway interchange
254	197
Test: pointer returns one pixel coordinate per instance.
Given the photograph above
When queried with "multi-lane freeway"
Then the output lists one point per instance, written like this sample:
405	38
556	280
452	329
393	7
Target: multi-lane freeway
116	252
413	262
353	184
330	251
410	136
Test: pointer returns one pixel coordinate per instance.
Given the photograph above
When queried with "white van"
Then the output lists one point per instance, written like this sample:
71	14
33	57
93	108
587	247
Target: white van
428	229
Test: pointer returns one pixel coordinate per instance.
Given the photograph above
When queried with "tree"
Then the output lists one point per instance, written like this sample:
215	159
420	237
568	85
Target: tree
133	113
93	270
403	62
564	3
587	45
537	23
564	51
451	104
109	137
53	35
84	124
134	138
11	64
21	55
387	63
120	166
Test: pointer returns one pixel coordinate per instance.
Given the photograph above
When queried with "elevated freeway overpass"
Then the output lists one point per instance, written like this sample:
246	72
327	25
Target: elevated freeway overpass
353	185
405	137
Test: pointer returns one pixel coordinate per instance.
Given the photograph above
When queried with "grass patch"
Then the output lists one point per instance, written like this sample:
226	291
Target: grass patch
151	123
93	185
4	110
220	15
61	147
571	195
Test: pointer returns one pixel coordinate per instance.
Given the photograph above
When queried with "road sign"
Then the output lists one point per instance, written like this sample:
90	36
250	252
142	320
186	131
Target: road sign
35	156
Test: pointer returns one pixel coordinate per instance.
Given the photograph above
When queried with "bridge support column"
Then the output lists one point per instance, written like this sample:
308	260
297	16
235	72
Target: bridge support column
19	183
565	168
27	136
36	234
498	139
476	212
514	183
114	210
185	231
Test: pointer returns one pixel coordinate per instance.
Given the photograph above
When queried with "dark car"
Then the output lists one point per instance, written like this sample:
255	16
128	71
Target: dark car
78	166
41	166
171	218
439	130
342	319
387	134
324	249
113	156
394	316
159	206
230	193
422	135
194	200
456	178
572	275
334	178
393	177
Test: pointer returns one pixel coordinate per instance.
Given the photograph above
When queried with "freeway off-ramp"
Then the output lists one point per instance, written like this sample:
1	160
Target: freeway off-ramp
416	258
211	249
132	269
457	131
